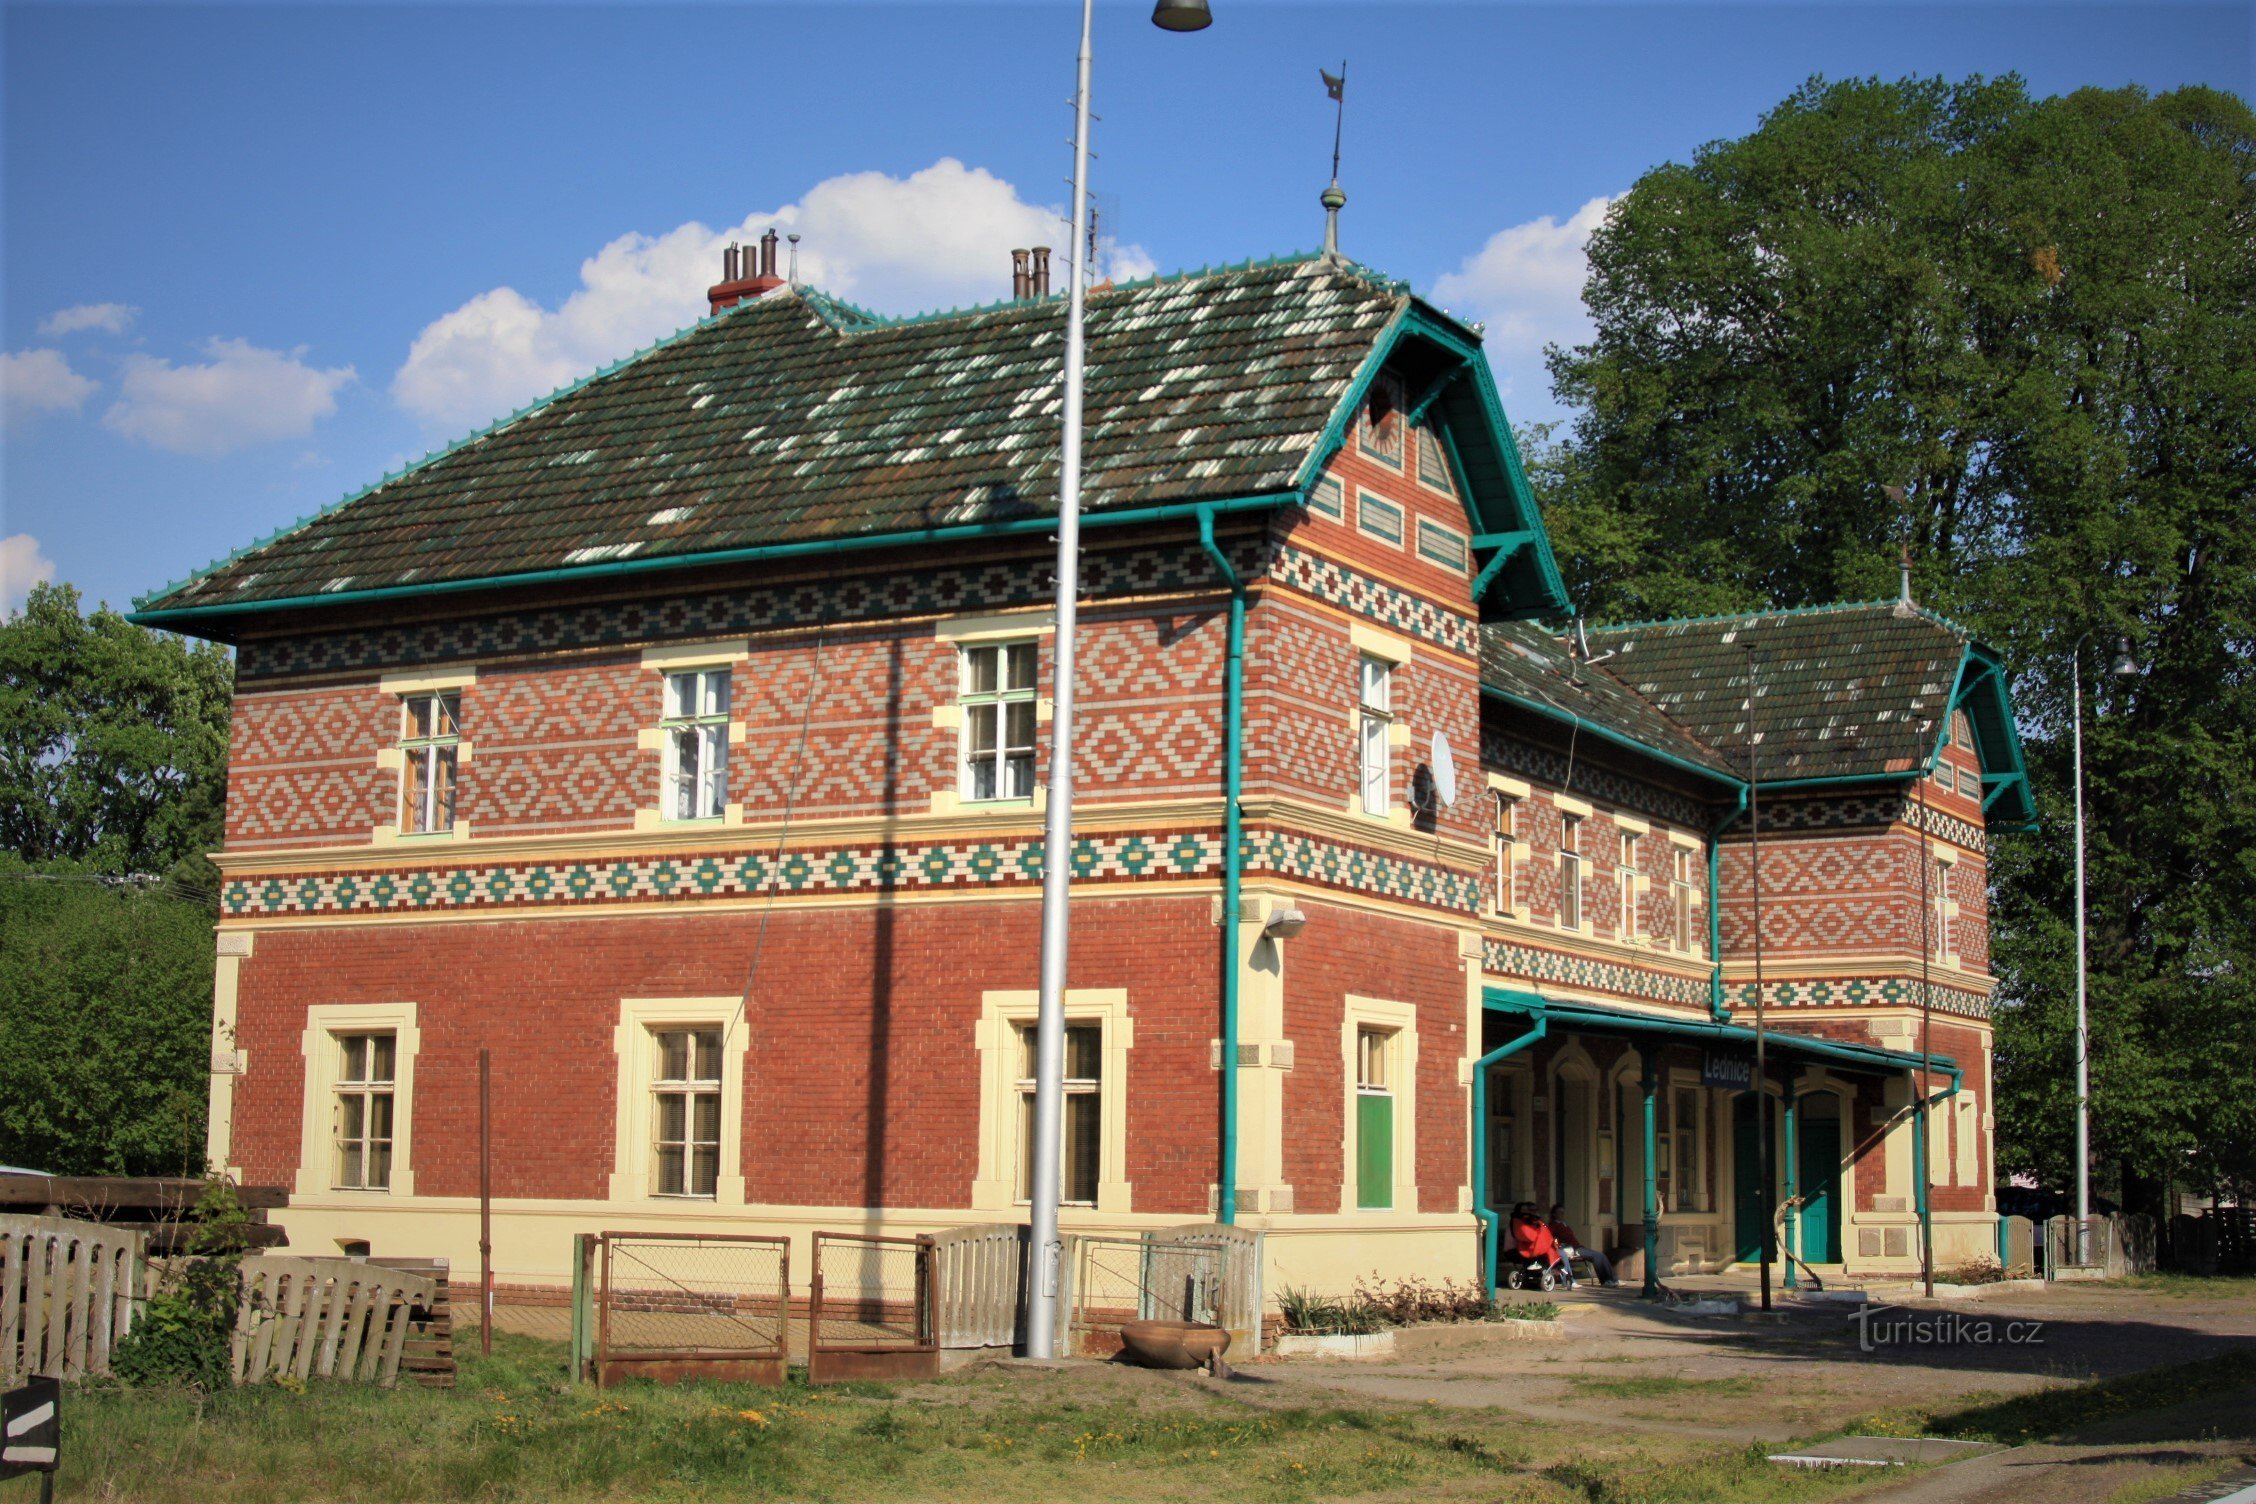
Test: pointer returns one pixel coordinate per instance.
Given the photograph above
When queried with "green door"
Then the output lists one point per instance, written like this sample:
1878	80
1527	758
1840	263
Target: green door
1746	1178
1819	1169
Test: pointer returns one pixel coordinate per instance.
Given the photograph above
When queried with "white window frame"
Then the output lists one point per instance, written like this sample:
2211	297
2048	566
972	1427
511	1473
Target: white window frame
1001	700
997	1181
421	758
1076	1088
1626	924
1504	846
1966	1164
1941	910
634	1049
1682	932
1374	733
691	1088
1573	907
1399	1021
365	1089
326	1024
695	719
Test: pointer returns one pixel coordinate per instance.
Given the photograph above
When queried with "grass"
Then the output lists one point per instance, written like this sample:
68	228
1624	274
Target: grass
2190	1286
515	1430
2169	1482
1660	1386
2047	1414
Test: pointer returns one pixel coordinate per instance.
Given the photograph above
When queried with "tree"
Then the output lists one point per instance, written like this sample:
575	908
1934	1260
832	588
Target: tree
113	739
105	1015
2038	319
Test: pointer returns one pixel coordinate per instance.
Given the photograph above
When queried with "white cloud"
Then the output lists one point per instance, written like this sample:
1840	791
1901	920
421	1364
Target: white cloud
1527	284
110	318
938	237
242	396
39	381
22	566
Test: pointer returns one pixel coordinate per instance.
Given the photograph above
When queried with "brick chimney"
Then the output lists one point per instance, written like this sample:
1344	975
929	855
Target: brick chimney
746	272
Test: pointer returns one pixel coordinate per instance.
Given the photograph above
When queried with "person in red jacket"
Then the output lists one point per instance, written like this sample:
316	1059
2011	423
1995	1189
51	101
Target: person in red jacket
1532	1240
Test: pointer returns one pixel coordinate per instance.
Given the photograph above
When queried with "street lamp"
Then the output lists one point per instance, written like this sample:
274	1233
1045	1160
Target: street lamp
2125	667
1057	829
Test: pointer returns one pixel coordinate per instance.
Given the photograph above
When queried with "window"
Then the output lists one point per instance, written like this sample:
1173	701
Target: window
1080	1163
998	719
1381	428
430	743
1570	872
366	1067
1680	898
1374	1119
697	736
1628	873
1503	850
1329	497
1375	723
685	1090
1433	461
1441	545
1939	910
1690	1181
1381	518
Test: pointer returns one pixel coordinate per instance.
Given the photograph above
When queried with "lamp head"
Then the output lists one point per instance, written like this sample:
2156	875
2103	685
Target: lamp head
1285	923
2126	667
1182	15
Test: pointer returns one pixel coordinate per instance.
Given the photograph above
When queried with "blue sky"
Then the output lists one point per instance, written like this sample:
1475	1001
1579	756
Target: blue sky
257	255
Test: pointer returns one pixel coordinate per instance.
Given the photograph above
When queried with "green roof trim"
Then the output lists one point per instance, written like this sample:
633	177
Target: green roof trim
1598	1016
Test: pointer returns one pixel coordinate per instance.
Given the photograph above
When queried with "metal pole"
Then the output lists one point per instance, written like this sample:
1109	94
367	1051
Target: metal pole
1649	1082
1927	910
1762	1065
485	1203
2083	1032
1057	831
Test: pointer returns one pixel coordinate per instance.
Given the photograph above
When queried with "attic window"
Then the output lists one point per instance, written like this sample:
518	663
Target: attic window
1381	436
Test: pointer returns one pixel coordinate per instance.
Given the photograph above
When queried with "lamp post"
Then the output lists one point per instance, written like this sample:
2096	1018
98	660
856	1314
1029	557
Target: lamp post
2125	667
1057	829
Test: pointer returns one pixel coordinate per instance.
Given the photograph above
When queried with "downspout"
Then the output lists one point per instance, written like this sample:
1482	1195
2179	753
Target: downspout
1490	1222
1233	750
1716	1009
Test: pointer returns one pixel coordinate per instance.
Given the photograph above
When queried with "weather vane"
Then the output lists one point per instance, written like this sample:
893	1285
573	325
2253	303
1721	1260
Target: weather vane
1335	86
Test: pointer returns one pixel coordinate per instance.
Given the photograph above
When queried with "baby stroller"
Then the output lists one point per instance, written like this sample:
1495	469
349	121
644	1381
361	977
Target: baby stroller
1537	1274
1533	1261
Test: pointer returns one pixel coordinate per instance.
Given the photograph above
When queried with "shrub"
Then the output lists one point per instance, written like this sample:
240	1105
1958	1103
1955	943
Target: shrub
183	1335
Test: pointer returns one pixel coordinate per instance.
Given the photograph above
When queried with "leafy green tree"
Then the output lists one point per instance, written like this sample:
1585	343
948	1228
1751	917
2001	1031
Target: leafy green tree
113	739
2036	320
105	1018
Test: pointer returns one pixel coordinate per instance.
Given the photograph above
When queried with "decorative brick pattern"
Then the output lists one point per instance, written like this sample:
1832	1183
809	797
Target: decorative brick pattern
1509	961
1504	753
1835	992
874	596
1393	608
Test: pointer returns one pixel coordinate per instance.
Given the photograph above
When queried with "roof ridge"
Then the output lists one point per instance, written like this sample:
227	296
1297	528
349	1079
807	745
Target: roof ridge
1683	621
432	457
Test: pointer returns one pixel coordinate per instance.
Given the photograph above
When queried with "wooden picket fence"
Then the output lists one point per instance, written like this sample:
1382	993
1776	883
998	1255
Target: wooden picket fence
66	1295
325	1318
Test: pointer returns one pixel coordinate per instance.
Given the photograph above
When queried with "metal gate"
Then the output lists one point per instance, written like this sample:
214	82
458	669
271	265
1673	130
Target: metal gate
674	1306
873	1309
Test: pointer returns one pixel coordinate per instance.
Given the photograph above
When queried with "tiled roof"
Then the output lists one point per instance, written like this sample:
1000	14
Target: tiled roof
799	418
1528	664
1845	690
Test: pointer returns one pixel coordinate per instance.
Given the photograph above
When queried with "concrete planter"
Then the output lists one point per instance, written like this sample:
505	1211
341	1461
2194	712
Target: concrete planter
1336	1345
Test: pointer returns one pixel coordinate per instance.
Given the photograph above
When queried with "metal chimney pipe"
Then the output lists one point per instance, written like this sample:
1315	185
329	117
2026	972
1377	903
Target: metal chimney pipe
728	264
1022	281
768	254
1041	271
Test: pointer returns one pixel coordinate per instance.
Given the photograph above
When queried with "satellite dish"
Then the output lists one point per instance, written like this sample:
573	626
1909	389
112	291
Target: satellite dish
1444	771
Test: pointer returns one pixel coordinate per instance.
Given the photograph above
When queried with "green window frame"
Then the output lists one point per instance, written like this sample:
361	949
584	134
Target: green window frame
1378	517
1442	545
1329	497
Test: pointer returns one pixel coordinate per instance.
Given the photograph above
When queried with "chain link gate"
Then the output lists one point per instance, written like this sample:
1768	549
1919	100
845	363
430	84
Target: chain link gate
673	1306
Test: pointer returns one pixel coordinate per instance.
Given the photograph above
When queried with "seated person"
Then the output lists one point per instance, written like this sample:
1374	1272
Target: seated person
1572	1247
1533	1242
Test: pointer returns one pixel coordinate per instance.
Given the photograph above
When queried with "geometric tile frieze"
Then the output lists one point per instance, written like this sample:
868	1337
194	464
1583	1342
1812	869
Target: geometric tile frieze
896	867
1351	590
1835	992
1503	958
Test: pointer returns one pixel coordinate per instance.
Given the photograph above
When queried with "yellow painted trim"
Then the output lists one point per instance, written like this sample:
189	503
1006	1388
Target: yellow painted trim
676	657
947	717
632	1051
996	626
1567	804
1383	645
1630	825
317	1123
425	681
1511	788
650	739
995	1185
391	759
